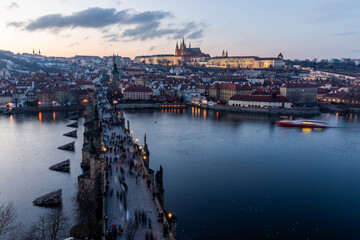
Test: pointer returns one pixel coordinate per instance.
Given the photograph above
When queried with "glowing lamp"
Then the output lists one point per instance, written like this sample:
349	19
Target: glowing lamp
169	215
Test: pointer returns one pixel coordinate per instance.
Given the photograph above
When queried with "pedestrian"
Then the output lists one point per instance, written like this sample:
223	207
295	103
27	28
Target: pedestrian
149	223
166	229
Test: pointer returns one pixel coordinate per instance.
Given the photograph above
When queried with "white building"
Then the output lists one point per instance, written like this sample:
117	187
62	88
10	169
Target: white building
260	101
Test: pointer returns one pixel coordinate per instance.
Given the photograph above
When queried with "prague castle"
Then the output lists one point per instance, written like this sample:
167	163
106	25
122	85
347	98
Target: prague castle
249	62
194	56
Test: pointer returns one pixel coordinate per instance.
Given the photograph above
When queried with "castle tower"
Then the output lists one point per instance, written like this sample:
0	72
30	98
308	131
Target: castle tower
183	48
177	50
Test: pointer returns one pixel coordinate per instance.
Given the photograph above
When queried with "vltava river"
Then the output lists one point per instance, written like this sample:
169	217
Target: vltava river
240	176
28	147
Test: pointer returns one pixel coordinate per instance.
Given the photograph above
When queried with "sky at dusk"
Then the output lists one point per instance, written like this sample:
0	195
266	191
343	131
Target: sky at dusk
299	29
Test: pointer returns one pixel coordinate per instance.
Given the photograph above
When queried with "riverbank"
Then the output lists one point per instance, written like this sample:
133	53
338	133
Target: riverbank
271	111
151	106
337	108
43	109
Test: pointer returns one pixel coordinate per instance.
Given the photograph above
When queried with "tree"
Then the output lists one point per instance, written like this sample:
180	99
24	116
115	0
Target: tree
50	226
7	218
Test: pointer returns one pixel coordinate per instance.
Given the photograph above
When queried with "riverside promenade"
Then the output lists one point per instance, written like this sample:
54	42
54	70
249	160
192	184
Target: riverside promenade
129	201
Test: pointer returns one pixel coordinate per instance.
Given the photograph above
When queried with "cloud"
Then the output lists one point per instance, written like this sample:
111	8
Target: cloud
89	18
13	5
138	26
74	44
112	37
152	30
347	33
15	24
152	48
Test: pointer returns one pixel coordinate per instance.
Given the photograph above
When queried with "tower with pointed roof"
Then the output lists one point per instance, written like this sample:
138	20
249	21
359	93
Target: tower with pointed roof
114	71
177	50
183	48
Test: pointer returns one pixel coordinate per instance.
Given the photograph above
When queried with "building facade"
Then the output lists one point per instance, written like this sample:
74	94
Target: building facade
135	92
259	101
300	93
183	54
224	91
245	62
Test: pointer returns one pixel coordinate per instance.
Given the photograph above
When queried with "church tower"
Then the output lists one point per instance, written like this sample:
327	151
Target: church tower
114	72
177	50
183	48
280	56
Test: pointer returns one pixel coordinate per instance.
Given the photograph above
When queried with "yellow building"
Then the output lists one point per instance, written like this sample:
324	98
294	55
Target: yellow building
168	60
249	62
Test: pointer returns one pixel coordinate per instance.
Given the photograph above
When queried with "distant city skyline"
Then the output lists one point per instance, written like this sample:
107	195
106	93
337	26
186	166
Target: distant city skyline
321	29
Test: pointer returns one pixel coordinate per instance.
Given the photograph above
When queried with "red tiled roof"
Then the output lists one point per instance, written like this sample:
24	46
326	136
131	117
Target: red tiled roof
259	98
243	87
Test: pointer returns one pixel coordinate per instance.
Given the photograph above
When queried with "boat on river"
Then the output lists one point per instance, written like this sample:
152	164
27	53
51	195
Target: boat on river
304	123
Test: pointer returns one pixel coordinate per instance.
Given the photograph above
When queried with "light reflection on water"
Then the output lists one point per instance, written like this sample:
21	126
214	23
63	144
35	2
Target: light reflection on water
28	147
240	176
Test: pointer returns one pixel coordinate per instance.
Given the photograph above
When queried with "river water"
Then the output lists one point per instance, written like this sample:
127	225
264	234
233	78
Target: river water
240	176
28	147
226	176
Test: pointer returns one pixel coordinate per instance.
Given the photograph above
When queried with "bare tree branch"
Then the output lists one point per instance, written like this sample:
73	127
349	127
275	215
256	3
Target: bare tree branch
7	218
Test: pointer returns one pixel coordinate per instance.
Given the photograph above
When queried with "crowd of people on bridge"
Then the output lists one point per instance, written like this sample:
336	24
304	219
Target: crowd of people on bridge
121	159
